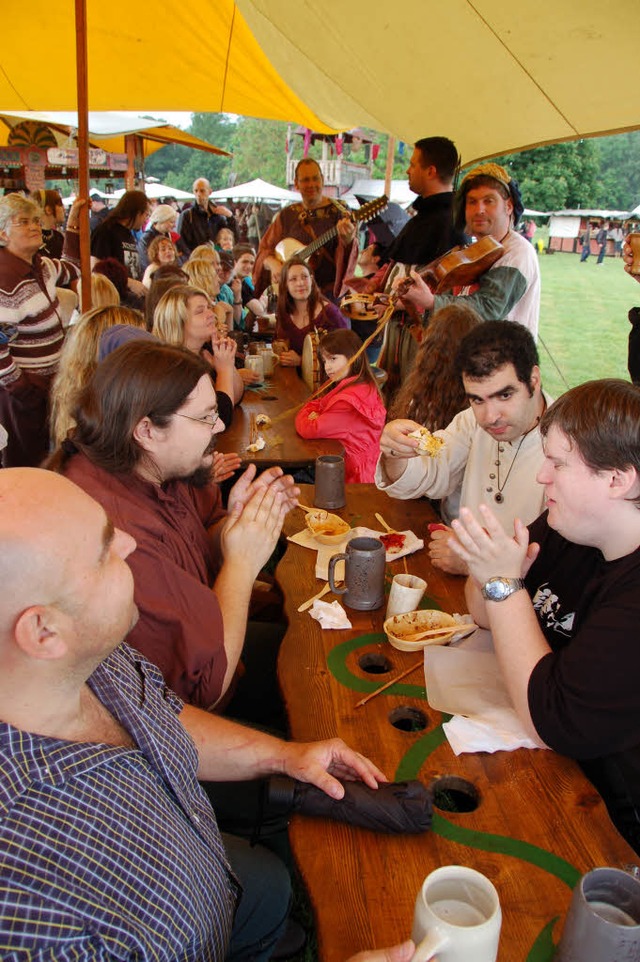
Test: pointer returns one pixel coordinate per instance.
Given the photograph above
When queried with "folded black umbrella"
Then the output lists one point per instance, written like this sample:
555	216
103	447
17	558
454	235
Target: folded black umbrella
396	808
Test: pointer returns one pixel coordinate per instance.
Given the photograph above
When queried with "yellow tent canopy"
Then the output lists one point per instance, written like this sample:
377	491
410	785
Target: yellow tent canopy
495	75
106	131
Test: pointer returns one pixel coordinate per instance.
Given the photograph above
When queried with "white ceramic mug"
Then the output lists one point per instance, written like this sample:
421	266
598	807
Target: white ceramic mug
457	917
254	362
405	595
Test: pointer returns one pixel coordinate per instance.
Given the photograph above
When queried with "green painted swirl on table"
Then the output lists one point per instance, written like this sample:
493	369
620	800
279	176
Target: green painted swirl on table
409	767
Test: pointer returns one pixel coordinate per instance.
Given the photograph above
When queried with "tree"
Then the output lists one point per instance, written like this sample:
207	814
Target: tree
556	176
620	170
180	166
259	150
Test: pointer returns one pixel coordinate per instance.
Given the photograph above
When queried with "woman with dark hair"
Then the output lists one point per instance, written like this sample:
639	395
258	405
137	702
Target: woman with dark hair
352	411
433	393
114	236
302	308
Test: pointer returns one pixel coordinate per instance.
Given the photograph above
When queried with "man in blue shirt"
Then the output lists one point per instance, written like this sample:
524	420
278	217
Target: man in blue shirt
108	846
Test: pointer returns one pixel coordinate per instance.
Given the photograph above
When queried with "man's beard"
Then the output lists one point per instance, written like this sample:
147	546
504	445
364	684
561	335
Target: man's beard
202	476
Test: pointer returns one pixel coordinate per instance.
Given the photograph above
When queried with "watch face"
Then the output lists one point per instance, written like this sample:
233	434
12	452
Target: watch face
497	589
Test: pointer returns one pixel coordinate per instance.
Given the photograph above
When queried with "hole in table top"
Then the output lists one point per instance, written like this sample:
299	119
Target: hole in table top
374	663
408	719
454	794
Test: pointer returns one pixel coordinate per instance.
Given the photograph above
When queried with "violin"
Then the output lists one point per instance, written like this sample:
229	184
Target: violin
459	267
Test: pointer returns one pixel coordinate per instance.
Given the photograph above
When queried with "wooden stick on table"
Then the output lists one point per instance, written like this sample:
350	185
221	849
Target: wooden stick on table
403	674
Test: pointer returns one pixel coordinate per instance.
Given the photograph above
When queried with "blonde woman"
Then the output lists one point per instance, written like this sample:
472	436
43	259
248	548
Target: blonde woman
79	360
185	316
203	274
206	250
103	293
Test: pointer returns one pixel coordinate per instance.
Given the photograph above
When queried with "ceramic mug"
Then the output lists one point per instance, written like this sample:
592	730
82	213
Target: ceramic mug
457	917
364	565
253	362
280	345
603	922
329	482
405	595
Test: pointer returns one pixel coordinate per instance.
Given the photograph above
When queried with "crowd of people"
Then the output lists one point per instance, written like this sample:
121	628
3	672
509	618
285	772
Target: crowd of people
133	626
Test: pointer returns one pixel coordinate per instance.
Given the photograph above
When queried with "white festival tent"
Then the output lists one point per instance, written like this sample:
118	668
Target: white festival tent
159	190
257	189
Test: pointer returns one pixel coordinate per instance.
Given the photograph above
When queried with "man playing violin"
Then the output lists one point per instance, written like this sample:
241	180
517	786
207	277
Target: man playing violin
489	204
304	222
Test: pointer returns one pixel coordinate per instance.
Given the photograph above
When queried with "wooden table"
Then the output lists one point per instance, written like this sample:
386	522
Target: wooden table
281	392
539	824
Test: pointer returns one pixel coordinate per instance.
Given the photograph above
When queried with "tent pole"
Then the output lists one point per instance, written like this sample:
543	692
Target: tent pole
83	148
130	146
388	173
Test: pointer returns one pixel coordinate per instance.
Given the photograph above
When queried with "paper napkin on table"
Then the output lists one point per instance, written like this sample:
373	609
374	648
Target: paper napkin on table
466	682
330	615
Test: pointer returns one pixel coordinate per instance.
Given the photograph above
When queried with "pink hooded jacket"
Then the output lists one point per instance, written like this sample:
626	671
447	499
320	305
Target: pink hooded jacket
351	413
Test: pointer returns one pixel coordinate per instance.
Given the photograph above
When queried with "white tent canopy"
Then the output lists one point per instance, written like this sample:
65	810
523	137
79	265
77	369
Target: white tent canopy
159	190
257	189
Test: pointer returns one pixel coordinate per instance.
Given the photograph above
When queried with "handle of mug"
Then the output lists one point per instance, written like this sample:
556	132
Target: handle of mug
333	560
430	944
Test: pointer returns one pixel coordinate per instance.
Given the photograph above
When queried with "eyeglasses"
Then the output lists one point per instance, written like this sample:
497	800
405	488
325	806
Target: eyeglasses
210	419
27	221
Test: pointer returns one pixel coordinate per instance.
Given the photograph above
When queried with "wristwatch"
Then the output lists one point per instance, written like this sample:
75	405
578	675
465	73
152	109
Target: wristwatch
497	589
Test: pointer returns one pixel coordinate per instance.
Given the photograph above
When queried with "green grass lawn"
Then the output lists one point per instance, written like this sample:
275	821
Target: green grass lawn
583	319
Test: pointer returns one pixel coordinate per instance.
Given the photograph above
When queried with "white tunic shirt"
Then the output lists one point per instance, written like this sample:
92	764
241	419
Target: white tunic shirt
465	473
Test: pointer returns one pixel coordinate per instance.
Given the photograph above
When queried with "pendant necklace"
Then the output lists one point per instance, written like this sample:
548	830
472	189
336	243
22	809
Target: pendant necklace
498	496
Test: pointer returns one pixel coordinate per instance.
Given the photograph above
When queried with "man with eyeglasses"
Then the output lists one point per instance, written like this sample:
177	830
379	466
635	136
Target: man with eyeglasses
143	448
31	332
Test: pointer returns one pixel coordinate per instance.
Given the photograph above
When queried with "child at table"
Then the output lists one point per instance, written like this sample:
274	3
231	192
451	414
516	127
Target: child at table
351	411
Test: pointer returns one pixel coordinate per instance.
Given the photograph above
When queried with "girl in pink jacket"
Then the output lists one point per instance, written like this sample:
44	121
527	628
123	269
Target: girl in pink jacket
352	411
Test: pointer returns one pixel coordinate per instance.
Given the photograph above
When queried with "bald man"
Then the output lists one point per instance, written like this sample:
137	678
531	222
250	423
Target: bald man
99	762
200	223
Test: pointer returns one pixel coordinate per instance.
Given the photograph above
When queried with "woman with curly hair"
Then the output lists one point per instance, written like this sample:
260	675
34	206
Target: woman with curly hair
160	252
433	393
79	359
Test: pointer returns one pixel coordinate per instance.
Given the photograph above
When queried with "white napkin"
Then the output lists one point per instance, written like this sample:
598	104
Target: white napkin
499	730
466	682
329	615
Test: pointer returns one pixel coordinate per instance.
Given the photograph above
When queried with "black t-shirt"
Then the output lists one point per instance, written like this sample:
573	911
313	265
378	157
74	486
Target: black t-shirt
584	696
112	239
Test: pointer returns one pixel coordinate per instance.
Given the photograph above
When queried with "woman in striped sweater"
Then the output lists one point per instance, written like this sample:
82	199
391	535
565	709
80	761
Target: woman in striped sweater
31	332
